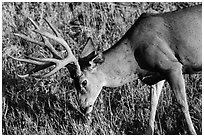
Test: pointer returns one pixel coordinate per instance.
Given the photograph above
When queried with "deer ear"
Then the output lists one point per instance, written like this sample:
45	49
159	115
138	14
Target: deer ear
99	59
88	49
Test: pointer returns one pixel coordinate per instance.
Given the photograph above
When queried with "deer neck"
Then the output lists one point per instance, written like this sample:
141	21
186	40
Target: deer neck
120	66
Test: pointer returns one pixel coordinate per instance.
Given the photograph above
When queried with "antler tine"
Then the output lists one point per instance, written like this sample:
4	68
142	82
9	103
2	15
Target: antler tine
29	39
57	38
53	28
47	43
36	69
60	40
43	63
39	65
34	23
35	62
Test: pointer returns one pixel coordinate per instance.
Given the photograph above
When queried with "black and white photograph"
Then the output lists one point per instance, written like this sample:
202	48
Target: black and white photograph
101	68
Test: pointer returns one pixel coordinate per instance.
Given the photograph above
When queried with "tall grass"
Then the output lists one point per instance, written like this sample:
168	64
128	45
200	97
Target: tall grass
48	106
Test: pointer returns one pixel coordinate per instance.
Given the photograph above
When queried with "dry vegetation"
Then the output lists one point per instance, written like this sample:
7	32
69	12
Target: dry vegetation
48	106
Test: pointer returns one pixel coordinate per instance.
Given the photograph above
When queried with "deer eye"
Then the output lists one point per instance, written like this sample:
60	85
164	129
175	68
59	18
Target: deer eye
84	83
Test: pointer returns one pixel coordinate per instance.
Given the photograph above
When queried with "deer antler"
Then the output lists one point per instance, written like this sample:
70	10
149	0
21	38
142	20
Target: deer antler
43	63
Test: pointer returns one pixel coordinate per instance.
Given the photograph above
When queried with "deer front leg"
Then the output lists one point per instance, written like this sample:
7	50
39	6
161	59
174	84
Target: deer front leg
176	81
155	93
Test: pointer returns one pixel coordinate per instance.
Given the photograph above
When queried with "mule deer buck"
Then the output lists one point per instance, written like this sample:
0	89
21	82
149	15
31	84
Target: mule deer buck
157	47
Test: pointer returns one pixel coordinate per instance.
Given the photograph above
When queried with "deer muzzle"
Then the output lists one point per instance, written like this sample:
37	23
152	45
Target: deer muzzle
86	110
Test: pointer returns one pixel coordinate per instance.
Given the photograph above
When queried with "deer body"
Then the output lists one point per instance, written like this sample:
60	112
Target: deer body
169	37
154	44
157	47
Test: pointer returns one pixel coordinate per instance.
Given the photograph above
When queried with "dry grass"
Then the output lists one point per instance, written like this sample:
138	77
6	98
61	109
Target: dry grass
48	106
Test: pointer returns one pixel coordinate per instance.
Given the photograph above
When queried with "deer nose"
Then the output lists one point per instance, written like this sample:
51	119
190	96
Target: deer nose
86	110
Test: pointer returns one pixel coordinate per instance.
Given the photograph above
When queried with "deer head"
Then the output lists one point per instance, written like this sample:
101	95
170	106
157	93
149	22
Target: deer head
88	81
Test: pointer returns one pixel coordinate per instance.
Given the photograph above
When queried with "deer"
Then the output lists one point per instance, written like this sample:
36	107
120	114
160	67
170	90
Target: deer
157	48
